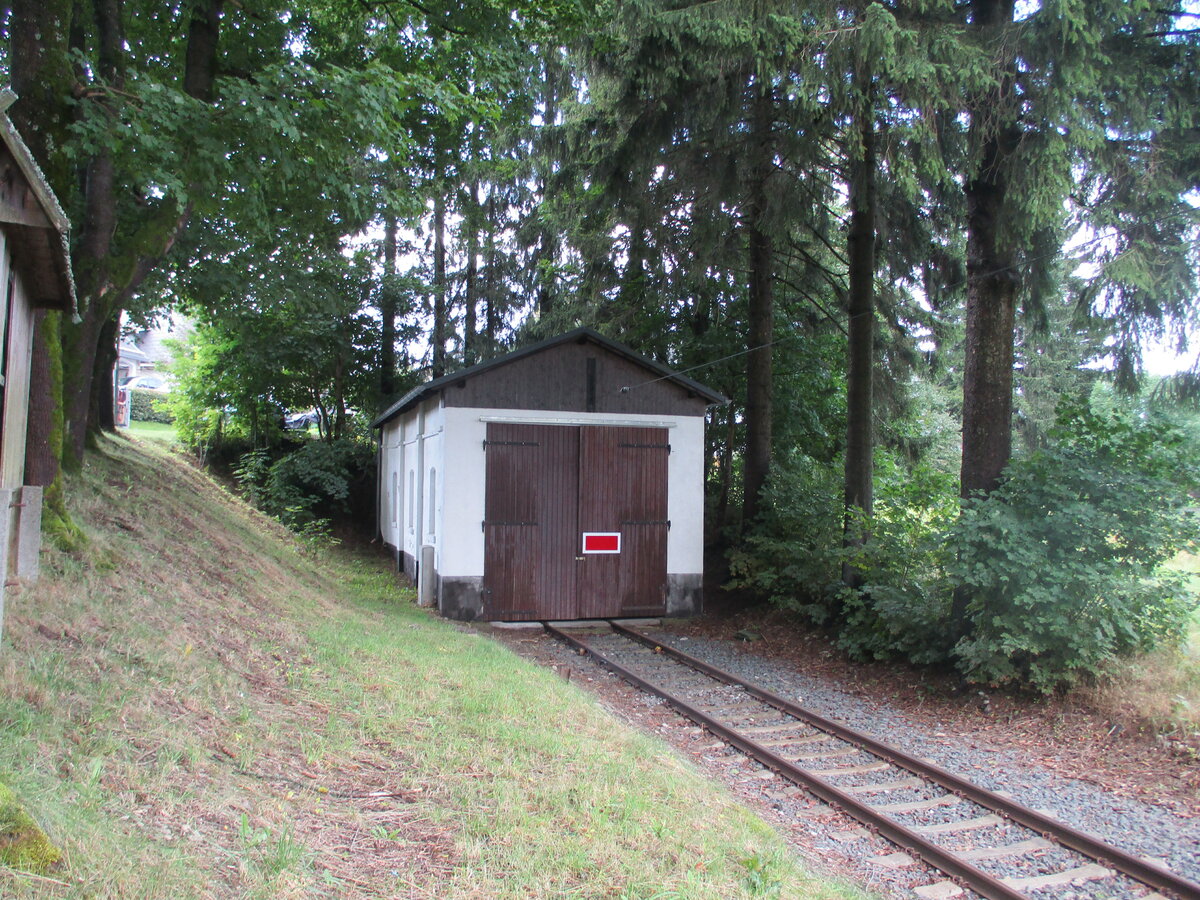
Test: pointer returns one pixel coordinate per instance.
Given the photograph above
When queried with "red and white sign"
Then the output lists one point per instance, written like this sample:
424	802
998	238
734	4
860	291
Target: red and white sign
602	542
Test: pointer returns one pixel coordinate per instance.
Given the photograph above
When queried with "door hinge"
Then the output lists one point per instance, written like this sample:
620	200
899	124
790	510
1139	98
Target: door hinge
666	522
511	444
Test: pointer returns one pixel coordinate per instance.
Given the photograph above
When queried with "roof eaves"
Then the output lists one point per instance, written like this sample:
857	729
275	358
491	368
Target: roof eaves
44	194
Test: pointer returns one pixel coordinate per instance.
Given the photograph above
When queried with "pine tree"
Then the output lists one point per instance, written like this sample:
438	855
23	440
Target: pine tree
1090	124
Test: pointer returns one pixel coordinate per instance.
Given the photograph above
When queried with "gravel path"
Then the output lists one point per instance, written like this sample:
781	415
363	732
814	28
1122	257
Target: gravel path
830	841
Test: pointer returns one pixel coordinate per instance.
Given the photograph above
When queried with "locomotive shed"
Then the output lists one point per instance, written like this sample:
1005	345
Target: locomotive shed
564	480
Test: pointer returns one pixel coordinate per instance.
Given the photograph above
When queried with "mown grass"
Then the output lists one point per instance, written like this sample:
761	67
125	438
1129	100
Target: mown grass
193	707
152	430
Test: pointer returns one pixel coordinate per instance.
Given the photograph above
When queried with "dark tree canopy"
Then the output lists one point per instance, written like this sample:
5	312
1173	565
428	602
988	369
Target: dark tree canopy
895	235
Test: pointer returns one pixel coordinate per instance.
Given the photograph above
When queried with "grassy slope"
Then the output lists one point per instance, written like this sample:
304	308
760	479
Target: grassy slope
193	708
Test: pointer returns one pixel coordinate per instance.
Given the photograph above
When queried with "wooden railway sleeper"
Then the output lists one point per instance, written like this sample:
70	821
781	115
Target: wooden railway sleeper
987	821
815	757
795	742
886	787
865	769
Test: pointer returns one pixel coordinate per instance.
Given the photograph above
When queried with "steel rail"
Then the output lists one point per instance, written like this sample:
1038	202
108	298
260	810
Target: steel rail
1064	834
979	881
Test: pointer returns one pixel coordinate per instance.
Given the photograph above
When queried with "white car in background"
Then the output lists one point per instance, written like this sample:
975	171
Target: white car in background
149	382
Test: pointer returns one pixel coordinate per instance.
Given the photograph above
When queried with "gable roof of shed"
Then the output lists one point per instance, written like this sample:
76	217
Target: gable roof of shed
43	252
579	335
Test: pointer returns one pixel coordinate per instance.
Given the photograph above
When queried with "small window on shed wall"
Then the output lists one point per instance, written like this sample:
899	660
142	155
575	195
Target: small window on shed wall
412	498
433	501
395	501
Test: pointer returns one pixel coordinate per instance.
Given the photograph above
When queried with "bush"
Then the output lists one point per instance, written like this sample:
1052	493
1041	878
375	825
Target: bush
904	604
322	479
149	406
1059	568
251	474
793	557
1061	562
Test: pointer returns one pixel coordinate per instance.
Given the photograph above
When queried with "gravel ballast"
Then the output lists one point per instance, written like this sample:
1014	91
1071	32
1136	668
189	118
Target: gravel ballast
832	842
1138	827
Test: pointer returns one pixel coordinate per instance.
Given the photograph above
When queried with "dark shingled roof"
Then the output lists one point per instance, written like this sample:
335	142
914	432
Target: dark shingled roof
413	397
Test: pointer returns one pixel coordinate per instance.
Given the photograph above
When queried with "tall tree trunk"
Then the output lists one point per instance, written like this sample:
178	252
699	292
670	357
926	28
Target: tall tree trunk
103	386
93	257
204	32
41	76
471	282
44	438
723	514
991	279
860	370
759	370
631	300
491	282
81	341
339	399
41	34
387	313
988	366
45	413
440	325
991	292
548	242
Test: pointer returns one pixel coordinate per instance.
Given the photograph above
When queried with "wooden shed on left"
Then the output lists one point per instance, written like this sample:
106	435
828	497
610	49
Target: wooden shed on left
35	273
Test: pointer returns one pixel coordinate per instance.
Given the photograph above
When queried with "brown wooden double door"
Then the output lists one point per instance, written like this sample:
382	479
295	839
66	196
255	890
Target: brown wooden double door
546	486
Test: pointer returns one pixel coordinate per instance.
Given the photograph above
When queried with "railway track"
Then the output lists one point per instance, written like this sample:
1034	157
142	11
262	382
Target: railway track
981	840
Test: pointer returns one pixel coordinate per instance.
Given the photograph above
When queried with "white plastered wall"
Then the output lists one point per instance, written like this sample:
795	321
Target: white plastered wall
413	476
465	429
386	494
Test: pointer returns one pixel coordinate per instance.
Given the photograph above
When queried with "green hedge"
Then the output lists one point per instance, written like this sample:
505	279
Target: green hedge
149	406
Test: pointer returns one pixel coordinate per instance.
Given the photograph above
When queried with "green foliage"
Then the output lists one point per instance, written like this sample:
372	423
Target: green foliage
793	556
317	481
1061	564
1062	561
309	487
903	607
315	535
285	342
251	473
196	403
149	406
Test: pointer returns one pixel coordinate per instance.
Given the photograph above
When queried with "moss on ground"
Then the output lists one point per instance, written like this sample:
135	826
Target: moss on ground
23	845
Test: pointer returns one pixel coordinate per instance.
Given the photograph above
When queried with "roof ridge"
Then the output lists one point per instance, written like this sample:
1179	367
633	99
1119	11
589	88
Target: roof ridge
413	396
